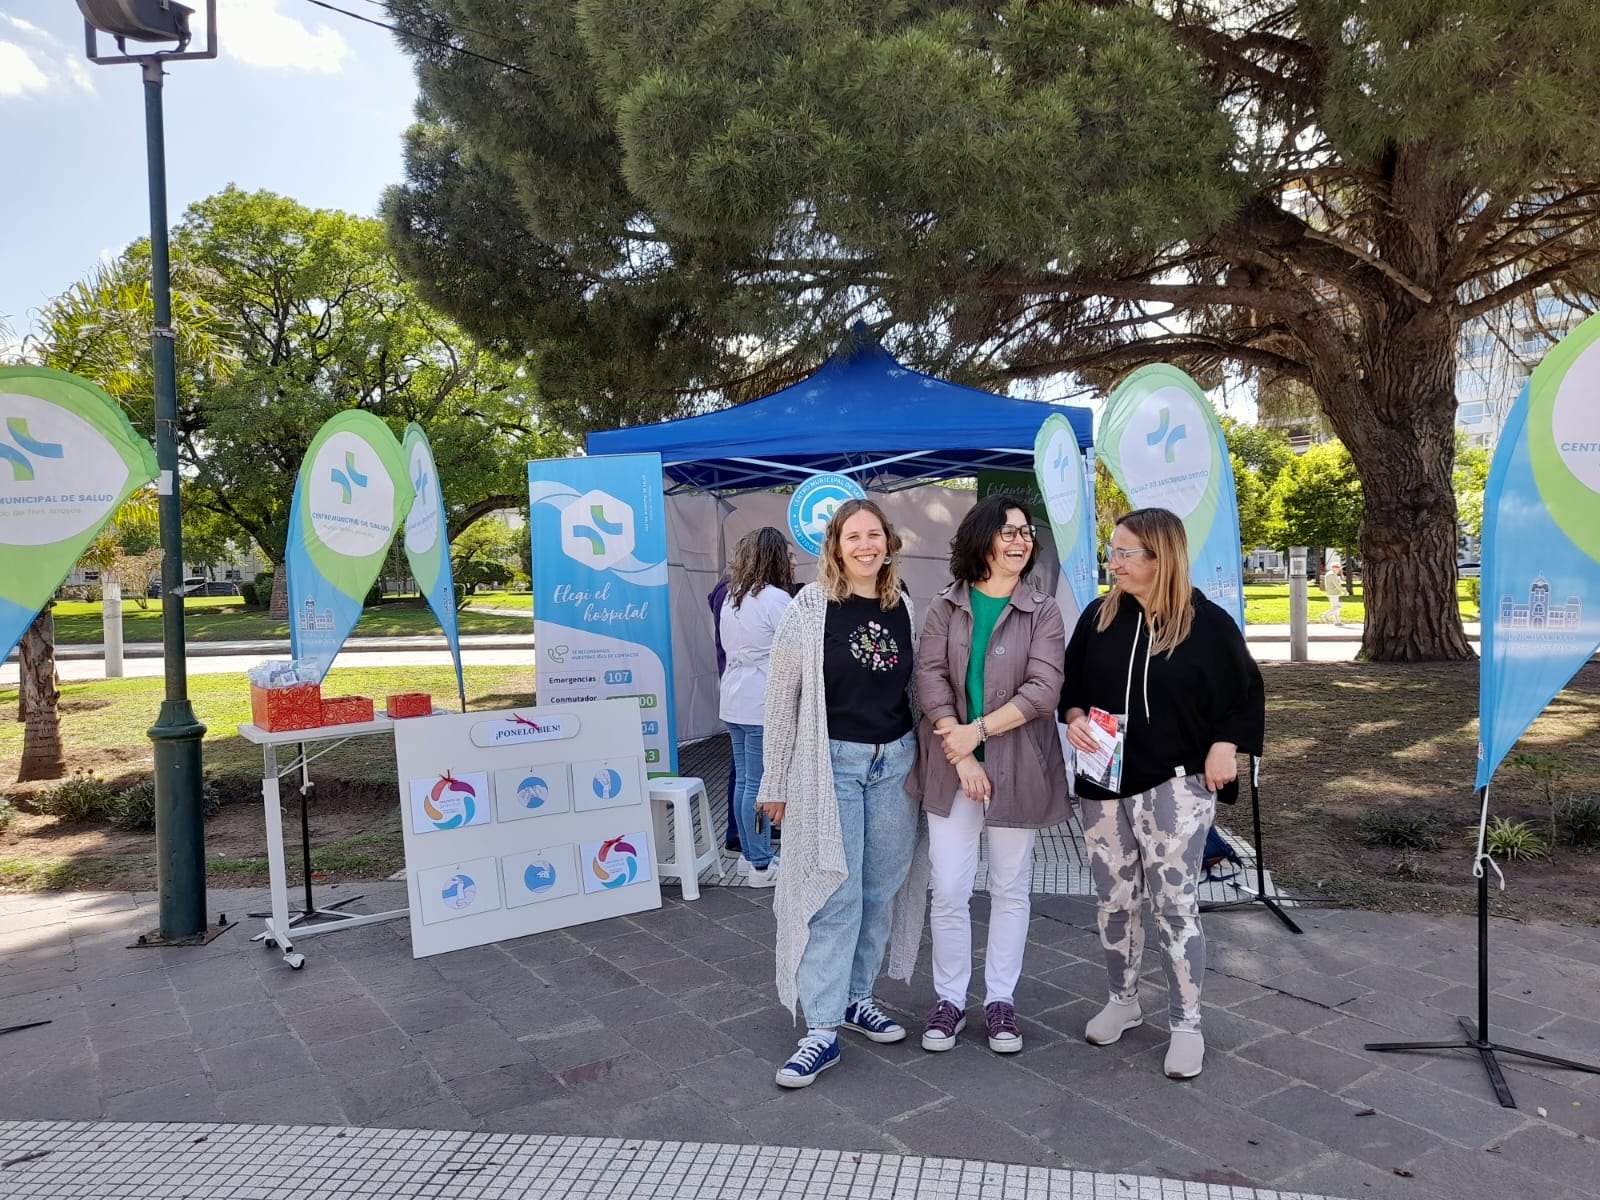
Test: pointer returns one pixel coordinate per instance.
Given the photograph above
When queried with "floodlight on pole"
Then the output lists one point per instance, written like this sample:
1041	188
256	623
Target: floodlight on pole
175	738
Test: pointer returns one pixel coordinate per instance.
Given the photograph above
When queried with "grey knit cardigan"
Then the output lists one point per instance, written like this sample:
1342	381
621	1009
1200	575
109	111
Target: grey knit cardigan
798	774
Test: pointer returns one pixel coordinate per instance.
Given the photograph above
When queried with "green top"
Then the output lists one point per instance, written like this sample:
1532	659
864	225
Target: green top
986	612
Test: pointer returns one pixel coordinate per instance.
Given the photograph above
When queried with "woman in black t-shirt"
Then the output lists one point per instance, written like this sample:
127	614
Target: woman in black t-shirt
839	741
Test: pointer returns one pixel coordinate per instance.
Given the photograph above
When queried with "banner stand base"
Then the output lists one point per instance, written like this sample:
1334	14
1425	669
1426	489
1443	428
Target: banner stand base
1270	903
1478	1041
313	912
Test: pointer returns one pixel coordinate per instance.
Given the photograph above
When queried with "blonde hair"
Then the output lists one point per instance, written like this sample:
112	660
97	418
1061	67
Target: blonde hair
1170	605
831	575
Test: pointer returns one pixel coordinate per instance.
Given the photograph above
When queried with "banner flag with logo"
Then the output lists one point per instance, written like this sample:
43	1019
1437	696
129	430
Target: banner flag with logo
1069	503
428	543
1165	449
68	460
602	624
813	504
350	499
1540	581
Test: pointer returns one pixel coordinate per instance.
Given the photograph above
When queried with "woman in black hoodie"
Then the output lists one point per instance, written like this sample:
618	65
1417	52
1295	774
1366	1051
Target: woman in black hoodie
1163	673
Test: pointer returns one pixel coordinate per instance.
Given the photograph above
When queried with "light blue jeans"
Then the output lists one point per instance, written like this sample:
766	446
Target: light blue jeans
747	766
848	935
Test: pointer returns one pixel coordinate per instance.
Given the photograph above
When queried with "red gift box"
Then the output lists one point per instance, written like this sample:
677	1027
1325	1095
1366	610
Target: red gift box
411	704
346	710
295	706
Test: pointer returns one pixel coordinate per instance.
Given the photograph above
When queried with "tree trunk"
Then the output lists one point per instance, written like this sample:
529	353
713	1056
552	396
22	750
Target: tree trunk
42	755
279	605
1397	419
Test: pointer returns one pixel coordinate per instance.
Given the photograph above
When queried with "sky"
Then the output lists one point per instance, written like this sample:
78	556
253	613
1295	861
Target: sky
300	101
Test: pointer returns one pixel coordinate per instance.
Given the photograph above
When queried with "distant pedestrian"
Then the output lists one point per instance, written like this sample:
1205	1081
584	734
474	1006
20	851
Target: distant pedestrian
1333	585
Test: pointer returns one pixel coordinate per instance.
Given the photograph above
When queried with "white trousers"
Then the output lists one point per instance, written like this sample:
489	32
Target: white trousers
953	849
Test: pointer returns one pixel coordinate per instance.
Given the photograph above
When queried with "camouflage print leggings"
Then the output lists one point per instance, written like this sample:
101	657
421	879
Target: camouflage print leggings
1154	842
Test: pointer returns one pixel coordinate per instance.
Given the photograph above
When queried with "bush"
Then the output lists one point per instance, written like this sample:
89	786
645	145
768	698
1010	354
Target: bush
1474	590
80	798
1578	819
135	807
247	593
1512	840
374	593
263	589
1402	830
8	810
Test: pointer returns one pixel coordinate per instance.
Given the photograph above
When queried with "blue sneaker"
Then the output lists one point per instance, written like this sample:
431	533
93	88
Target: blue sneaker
814	1056
865	1017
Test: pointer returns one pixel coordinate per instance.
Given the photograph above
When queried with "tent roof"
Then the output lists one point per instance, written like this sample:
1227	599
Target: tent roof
862	414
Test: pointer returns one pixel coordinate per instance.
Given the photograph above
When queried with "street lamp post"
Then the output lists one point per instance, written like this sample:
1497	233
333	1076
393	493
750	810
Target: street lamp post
175	737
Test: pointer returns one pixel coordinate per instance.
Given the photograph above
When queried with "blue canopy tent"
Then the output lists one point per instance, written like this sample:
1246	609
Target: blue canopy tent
862	414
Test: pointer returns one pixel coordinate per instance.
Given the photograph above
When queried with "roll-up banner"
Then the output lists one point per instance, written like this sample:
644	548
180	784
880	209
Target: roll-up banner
602	626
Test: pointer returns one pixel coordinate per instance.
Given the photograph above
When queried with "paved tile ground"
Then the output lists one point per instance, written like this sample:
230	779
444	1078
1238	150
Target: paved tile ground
664	1026
67	1161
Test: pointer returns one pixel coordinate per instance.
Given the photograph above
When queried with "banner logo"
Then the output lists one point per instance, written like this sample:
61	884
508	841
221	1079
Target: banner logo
1538	614
813	504
597	530
451	804
349	478
1165	466
1575	426
617	864
422	522
21	467
352	511
1170	440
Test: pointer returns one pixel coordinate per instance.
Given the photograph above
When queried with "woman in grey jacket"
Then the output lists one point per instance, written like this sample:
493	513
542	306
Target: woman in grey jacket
989	761
840	736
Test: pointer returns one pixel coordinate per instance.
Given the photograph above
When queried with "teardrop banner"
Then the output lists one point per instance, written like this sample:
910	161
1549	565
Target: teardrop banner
68	460
1540	585
1068	501
428	543
350	499
1165	449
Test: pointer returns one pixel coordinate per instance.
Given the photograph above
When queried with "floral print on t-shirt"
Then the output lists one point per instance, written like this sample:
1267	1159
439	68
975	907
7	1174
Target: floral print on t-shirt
874	647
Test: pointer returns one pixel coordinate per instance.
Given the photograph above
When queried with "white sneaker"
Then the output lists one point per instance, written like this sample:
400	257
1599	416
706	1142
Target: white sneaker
1186	1054
1111	1022
764	877
742	867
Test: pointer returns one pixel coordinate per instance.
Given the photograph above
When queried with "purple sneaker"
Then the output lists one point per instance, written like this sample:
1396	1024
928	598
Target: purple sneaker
944	1023
1004	1036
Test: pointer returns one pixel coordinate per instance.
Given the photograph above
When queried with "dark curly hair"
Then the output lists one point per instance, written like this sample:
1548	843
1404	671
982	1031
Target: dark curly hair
760	560
969	549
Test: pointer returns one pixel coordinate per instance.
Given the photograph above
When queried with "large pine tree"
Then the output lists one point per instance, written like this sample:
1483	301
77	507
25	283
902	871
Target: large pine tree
676	200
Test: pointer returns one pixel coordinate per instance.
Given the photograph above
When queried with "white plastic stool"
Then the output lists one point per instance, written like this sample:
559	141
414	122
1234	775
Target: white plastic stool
679	793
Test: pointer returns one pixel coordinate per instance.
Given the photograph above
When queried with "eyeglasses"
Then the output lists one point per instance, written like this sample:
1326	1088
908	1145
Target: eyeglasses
1114	553
1010	533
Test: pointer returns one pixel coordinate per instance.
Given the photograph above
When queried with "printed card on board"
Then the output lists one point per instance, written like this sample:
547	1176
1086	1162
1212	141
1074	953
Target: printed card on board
615	862
537	875
459	890
451	800
524	792
605	783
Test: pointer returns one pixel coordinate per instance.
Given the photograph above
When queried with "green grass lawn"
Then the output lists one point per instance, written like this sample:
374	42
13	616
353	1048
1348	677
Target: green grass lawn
104	721
1268	603
501	600
225	618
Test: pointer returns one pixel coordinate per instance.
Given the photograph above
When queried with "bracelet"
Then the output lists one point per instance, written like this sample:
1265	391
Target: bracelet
983	734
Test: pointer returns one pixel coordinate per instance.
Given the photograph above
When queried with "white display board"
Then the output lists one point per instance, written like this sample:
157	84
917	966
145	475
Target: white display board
522	820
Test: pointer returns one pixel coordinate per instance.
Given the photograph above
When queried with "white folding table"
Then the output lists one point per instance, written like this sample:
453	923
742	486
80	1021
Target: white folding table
281	930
